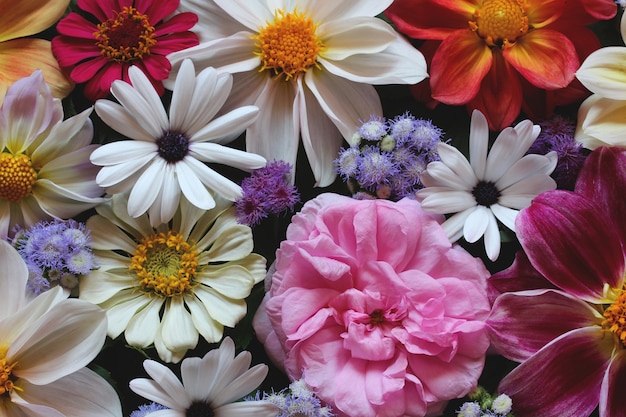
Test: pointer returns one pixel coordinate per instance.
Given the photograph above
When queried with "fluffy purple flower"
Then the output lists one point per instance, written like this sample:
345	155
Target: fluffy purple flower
146	409
266	191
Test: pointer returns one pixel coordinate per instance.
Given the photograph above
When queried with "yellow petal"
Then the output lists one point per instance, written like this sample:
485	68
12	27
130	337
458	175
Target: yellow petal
28	17
19	58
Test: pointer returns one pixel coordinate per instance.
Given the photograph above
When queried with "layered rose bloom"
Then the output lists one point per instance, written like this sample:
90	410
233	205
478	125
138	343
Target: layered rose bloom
502	56
375	309
563	302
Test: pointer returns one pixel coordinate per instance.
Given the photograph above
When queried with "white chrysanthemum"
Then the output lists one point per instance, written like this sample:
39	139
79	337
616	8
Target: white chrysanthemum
167	285
209	385
602	116
45	171
487	187
308	65
45	344
167	154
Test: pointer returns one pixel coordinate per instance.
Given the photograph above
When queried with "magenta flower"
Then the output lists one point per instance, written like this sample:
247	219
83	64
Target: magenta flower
563	304
100	48
374	308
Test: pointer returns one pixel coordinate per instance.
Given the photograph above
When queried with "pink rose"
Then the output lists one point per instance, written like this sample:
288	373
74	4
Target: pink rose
375	309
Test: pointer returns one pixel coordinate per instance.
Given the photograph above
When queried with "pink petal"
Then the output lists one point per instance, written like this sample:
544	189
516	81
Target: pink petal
522	323
178	23
601	179
612	398
570	241
76	26
72	51
562	379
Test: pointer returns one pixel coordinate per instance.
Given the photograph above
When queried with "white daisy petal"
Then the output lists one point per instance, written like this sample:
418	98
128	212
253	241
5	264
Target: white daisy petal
147	188
177	329
529	165
251	13
164	377
218	183
478	142
120	152
210	329
492	238
328	10
223	310
143	86
184	87
357	35
232	123
144	324
191	186
441	200
114	114
212	152
476	223
135	103
505	214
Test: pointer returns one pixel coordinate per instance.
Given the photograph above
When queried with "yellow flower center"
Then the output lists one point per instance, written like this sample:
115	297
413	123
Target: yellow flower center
615	316
17	176
7	379
500	22
165	265
125	37
288	45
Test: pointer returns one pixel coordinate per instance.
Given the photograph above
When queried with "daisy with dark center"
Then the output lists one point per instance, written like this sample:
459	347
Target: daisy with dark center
168	153
127	32
168	285
488	186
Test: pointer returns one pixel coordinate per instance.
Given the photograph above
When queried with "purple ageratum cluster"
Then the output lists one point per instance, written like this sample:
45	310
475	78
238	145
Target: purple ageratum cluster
56	253
389	156
146	409
557	134
298	400
485	405
266	191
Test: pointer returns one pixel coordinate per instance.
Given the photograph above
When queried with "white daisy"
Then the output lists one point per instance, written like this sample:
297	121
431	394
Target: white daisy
167	154
45	344
170	284
209	385
308	65
45	171
487	187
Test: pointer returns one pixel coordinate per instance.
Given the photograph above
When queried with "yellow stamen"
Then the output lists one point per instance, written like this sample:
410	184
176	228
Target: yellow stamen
288	45
7	379
17	176
165	265
125	37
615	316
500	22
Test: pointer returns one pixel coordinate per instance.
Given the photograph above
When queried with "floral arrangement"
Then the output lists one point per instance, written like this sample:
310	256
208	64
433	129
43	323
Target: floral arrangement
398	208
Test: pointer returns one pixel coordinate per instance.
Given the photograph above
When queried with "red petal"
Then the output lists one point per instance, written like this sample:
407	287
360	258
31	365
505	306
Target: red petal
70	51
101	10
458	67
157	10
178	23
520	276
175	42
572	243
562	379
76	26
544	12
546	58
425	19
522	323
602	178
87	70
500	95
612	398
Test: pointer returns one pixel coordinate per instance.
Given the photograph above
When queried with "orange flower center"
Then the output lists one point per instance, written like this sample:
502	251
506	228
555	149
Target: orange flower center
125	37
288	45
7	379
500	22
615	316
165	265
17	176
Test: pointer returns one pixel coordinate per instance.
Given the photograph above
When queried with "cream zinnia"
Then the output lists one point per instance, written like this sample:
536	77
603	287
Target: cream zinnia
307	65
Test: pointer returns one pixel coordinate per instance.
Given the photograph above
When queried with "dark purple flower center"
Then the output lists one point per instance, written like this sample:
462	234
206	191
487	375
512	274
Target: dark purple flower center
485	193
199	409
173	146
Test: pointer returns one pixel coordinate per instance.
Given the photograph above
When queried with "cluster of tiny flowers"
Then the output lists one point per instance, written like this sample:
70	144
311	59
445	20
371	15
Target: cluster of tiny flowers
56	253
146	409
296	401
557	134
389	156
266	191
484	405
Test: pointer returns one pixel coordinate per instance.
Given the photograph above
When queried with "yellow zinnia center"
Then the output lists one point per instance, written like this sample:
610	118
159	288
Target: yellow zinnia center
615	316
125	37
500	22
7	379
288	45
17	176
165	265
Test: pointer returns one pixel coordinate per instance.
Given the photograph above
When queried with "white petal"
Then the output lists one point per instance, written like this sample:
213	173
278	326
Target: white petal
476	223
210	330
13	277
147	188
213	21
463	177
478	142
492	238
243	385
232	123
214	181
191	186
527	166
177	329
326	10
601	122
123	151
180	104
144	324
520	194
506	150
121	309
443	200
143	86
223	310
320	138
345	102
399	63
356	35
602	72
213	152
71	134
80	387
99	286
152	120
231	281
166	203
166	379
251	13
116	174
121	120
247	409
152	391
506	215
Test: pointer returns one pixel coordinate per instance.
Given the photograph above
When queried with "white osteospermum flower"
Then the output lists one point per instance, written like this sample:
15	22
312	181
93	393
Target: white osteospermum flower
308	65
167	155
45	171
45	344
487	187
209	385
602	116
168	285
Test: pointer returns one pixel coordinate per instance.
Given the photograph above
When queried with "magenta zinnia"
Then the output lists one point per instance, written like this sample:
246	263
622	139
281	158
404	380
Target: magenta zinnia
122	33
563	303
